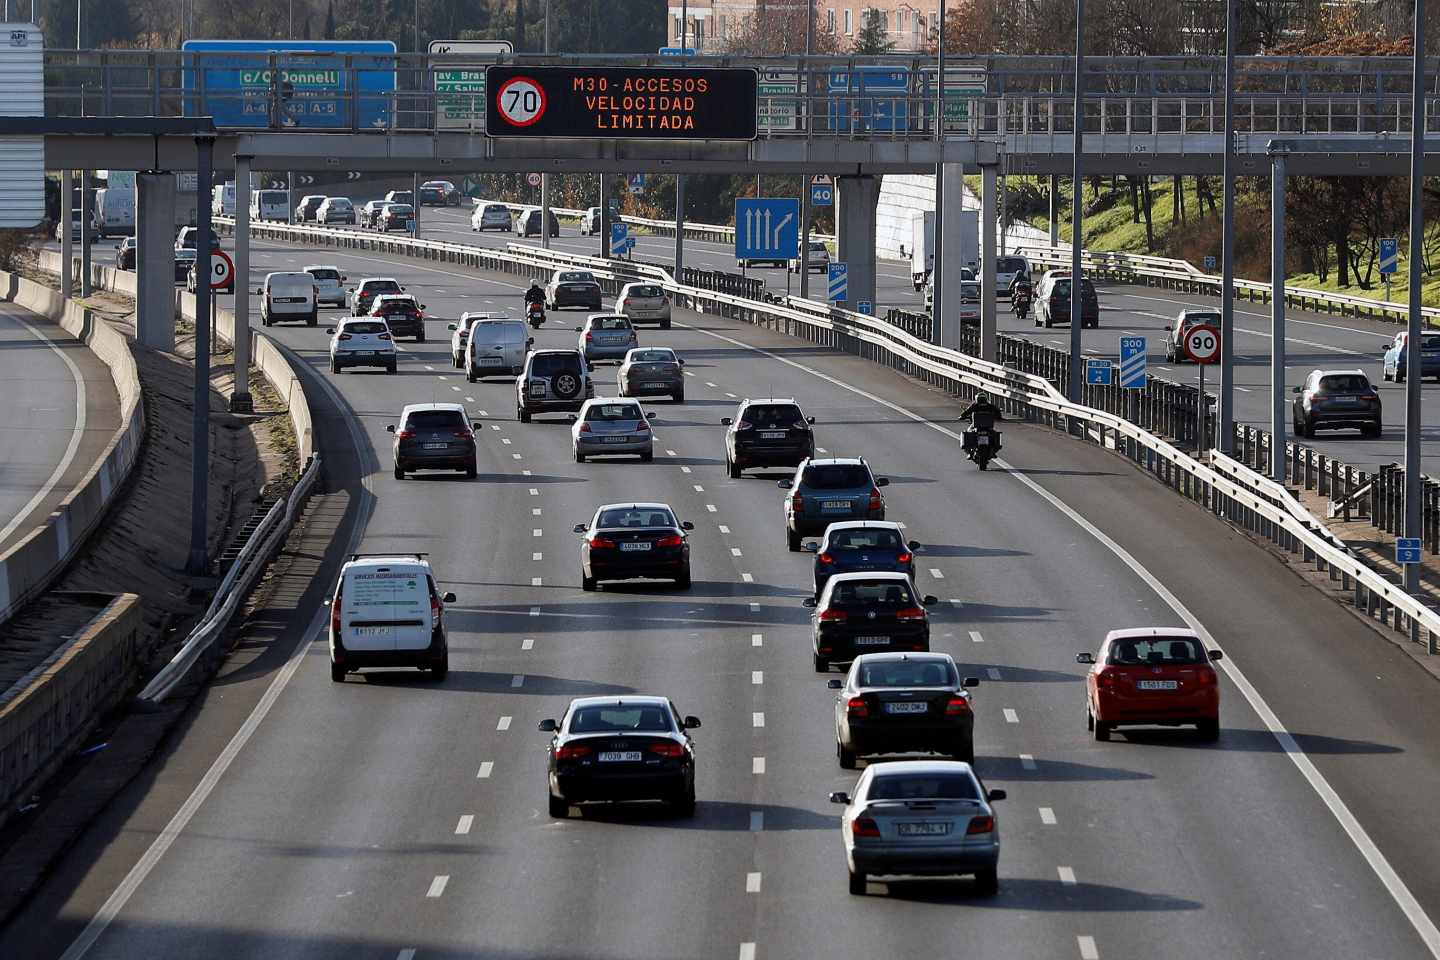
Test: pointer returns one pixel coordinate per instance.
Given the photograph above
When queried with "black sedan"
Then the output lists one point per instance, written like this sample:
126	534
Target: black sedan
650	372
621	748
904	703
184	260
572	288
861	546
125	255
629	541
860	613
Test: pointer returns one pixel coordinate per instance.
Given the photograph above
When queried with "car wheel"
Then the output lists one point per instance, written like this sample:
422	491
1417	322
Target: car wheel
469	376
732	469
821	664
471	470
647	457
1209	730
559	808
313	319
390	367
846	757
579	457
683	581
678	397
399	473
1101	730
664	324
988	881
1308	429
522	414
792	540
1371	431
334	367
337	673
440	670
587	582
858	881
419	338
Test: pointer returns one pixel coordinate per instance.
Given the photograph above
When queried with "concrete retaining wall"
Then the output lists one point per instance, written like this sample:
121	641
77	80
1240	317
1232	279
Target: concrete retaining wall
48	713
29	566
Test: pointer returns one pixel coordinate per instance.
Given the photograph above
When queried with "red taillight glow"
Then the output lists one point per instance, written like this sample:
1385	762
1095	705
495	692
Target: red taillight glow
672	750
875	501
383	336
464	434
584	428
980	825
1205	677
833	616
744	426
957	706
435	610
671	541
904	558
1105	679
405	434
864	827
797	503
825	558
589	337
600	543
574	752
346	336
910	613
642	427
625	302
856	707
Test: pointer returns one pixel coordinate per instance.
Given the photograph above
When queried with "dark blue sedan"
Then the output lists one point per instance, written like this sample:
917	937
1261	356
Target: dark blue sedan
862	546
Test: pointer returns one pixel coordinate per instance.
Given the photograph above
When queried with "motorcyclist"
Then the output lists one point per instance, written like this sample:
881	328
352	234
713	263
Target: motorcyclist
982	414
536	294
1021	294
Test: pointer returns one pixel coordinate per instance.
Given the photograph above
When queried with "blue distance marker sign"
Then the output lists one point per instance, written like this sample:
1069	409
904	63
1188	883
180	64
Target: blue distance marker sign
822	194
233	81
1407	550
1132	363
1098	372
767	228
1389	254
838	285
620	239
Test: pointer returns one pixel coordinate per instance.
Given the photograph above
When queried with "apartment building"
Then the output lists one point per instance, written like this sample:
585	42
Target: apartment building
715	25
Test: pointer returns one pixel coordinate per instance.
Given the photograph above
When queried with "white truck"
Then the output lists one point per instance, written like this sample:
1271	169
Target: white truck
922	249
222	199
113	214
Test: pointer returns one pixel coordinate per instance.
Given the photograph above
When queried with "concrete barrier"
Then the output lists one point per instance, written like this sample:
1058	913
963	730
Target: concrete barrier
30	565
50	711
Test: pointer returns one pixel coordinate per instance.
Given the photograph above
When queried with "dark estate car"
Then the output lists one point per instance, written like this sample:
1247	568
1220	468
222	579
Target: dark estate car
770	432
620	748
867	613
573	288
125	254
861	546
903	703
1052	301
1336	399
630	541
434	436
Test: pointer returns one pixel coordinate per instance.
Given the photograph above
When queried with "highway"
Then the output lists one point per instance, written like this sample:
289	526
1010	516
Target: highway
61	410
390	817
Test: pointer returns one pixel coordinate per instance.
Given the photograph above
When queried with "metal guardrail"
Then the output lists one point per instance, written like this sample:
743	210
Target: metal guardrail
1228	488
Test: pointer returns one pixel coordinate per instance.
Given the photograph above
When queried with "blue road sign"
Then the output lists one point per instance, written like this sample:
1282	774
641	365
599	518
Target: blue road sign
1098	372
637	181
233	82
837	288
822	194
1209	263
1132	363
620	239
1407	549
677	51
865	307
869	98
1389	254
767	228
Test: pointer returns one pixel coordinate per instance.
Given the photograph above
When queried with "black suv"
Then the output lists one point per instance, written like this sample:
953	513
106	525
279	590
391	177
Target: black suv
434	436
1336	398
867	613
767	433
553	380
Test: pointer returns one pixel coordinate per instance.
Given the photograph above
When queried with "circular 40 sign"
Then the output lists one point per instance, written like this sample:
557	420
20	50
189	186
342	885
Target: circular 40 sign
1202	343
521	101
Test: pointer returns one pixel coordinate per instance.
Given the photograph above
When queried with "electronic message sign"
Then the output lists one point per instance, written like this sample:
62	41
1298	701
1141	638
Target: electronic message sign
627	103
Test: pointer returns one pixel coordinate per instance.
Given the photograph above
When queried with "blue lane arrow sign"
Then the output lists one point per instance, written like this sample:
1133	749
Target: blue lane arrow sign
767	228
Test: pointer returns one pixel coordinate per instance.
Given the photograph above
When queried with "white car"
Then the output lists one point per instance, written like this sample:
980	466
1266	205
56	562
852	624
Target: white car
489	215
612	426
361	342
460	336
370	212
590	221
399	593
336	210
329	284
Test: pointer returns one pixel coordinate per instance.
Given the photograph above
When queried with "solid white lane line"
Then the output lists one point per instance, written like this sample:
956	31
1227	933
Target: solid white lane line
467	821
724	529
1011	716
504	723
1088	950
757	821
758	639
757	718
1027	761
757	765
757	677
437	886
486	769
938	575
528	643
1047	816
1067	875
519	679
994	672
536	582
975	634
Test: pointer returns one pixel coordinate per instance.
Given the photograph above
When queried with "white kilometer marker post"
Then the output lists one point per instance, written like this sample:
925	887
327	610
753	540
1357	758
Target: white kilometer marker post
975	636
1088	950
485	770
1067	876
757	677
504	723
1027	761
1011	716
752	882
758	718
463	827
757	765
1047	816
437	886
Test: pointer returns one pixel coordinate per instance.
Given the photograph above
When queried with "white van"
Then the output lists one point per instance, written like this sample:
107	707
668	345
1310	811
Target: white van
222	199
270	205
114	212
289	296
495	348
387	612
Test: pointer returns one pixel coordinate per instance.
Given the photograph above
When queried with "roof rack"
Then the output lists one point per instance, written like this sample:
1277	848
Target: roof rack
401	553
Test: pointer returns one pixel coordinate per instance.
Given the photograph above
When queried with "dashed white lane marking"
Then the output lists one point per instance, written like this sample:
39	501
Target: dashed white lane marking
939	575
519	679
523	473
757	821
467	821
752	880
442	378
484	413
506	440
537	556
748	577
757	765
757	718
1047	816
757	677
428	367
537	532
724	529
710	507
528	643
486	768
1088	950
975	634
1027	761
994	672
516	456
747	951
504	724
1241	389
534	611
669	453
757	639
535	511
689	374
709	384
687	469
821	450
1067	876
469	399
698	488
437	886
735	551
535	491
1011	716
733	397
754	608
457	390
536	582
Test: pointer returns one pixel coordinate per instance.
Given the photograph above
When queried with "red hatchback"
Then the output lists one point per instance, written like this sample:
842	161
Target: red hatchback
1152	676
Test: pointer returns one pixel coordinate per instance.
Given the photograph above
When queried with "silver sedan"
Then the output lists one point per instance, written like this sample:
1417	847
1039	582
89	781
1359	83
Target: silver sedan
612	426
650	372
920	818
607	336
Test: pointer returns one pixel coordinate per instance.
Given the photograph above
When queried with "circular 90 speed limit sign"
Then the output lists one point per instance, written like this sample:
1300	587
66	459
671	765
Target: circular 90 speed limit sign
521	101
1202	343
222	270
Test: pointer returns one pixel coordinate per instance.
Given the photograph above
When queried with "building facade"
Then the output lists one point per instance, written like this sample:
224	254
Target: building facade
717	26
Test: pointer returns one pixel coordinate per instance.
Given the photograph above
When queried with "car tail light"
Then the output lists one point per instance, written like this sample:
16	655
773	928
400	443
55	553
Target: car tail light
825	558
797	503
625	302
875	502
744	426
405	435
980	825
910	613
335	624
1206	677
903	558
1105	679
674	540
600	543
589	337
672	750
642	427
1369	396
346	336
464	434
383	336
435	610
864	827
584	428
572	752
856	707
957	707
833	616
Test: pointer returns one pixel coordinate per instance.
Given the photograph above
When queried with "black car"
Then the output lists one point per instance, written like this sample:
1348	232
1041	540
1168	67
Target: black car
404	316
432	197
1052	301
125	254
629	541
652	371
903	703
621	748
861	546
573	288
1336	399
184	260
767	433
434	436
867	613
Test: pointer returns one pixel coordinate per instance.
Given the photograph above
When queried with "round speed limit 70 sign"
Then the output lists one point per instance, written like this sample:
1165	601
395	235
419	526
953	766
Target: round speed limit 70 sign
1202	343
521	101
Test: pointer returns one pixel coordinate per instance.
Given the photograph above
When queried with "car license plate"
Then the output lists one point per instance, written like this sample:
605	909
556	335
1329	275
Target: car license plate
537	390
491	361
616	439
621	756
1157	684
773	435
436	446
925	829
835	505
871	641
912	707
656	386
364	353
371	631
634	547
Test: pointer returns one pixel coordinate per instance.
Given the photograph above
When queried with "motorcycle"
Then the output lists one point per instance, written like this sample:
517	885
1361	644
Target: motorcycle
1020	304
535	313
981	446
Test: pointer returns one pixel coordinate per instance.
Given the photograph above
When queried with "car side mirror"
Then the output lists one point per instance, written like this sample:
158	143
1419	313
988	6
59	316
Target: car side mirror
808	602
448	598
529	342
579	329
423	307
390	428
970	682
996	795
259	291
343	279
726	421
810	420
476	425
549	726
572	418
882	481
783	484
449	326
691	723
686	525
913	544
330	330
681	362
580	528
402	289
1167	328
836	684
1294	389
810	546
1217	655
839	796
929	601
1085	658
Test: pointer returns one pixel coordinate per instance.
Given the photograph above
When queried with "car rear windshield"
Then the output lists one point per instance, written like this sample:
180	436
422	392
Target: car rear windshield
1345	383
399	210
816	247
621	517
1190	319
365	326
435	420
549	364
969	292
652	356
907	673
339	203
865	539
1010	264
1430	342
1062	288
612	412
399	196
836	476
381	286
620	719
324	274
1153	650
610	323
938	786
883	592
576	276
646	291
766	415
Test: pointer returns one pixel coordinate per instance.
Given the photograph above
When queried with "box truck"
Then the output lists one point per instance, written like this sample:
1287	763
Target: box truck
922	250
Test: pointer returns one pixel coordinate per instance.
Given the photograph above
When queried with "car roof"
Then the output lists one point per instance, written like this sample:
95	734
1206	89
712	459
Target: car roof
605	316
834	461
319	266
643	700
635	505
863	525
399	560
343	321
419	407
870	575
670	350
289	275
484	318
1354	371
374	279
633	400
1138	633
928	656
554	350
891	768
749	400
396	296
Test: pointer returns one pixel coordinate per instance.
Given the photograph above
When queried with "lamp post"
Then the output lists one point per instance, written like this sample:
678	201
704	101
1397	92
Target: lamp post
1223	429
1077	299
937	288
1413	506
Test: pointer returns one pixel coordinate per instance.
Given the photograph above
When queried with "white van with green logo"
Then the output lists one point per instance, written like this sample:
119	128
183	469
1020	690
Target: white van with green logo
388	612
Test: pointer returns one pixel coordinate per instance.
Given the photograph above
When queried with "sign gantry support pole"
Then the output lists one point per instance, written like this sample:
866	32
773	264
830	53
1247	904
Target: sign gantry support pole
1278	397
1226	419
1414	526
1077	299
199	561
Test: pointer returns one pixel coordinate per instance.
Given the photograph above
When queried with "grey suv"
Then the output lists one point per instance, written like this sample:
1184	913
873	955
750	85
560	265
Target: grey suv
767	433
1336	398
823	491
552	380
